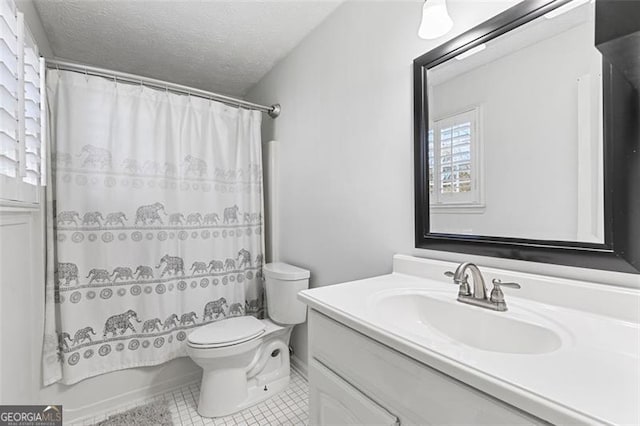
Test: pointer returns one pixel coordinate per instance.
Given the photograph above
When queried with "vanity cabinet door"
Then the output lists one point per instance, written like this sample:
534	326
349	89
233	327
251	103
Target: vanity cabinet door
415	392
333	401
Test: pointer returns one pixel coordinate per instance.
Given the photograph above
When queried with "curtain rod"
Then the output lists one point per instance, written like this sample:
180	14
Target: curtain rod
273	110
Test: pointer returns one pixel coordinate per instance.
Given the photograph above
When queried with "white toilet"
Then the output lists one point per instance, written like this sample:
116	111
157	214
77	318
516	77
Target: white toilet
246	360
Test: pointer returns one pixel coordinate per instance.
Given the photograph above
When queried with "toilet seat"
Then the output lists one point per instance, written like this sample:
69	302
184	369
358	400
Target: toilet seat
232	331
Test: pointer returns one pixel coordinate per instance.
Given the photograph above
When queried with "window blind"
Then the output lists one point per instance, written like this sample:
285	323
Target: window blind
431	159
21	115
455	158
9	152
455	165
32	112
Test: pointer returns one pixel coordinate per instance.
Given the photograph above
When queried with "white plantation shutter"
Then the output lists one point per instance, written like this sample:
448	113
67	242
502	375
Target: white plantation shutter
21	118
455	157
32	112
455	178
432	162
9	156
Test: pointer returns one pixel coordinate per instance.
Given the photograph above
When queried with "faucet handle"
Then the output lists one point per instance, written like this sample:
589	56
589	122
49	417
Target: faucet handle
452	275
497	296
496	282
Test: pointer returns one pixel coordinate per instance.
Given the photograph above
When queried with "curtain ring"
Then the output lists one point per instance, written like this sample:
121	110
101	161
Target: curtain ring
86	75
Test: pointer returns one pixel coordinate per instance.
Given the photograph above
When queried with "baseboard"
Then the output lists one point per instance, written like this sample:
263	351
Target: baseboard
77	415
299	365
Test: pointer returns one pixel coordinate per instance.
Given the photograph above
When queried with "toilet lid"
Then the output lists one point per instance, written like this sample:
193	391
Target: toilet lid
227	331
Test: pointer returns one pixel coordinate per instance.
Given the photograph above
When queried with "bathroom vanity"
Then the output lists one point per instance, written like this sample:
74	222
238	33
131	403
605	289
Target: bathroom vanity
400	349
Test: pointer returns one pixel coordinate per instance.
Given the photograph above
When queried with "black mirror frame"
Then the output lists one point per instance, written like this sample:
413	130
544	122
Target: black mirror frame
621	248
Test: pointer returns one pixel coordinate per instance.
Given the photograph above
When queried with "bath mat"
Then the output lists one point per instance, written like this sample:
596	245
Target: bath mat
154	413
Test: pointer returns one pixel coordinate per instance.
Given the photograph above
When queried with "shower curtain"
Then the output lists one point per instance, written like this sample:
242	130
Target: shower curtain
154	223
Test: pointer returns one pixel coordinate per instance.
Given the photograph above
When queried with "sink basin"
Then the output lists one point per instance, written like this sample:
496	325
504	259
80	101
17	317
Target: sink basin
429	313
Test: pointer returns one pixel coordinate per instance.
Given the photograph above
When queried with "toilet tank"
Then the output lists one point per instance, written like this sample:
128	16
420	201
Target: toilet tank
282	284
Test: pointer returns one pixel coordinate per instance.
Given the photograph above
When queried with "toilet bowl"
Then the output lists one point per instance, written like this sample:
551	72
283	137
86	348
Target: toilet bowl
245	360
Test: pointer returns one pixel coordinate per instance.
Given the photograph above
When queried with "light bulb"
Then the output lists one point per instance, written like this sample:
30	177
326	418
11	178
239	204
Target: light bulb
436	21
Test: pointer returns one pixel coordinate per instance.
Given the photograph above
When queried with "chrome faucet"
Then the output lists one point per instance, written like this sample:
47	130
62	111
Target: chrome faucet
479	296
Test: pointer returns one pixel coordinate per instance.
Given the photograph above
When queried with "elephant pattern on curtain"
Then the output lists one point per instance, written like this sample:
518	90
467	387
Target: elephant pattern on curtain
154	223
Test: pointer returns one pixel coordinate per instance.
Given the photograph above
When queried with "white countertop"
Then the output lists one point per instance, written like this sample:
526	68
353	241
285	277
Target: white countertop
594	377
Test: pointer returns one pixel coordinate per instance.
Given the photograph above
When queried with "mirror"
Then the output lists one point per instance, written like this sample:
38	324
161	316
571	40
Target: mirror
515	134
525	142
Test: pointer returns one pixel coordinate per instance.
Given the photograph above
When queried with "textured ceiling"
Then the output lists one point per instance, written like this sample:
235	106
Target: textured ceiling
221	46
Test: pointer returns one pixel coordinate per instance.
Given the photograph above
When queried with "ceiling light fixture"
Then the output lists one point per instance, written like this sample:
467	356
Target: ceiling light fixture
436	21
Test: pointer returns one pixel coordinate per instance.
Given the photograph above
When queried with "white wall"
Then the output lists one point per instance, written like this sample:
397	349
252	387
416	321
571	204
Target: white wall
20	302
346	145
32	18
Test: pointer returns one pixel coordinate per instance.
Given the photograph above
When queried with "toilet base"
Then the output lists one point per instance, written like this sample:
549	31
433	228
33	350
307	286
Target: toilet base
238	376
219	401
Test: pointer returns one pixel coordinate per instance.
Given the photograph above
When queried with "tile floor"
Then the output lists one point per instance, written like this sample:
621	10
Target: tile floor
290	407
